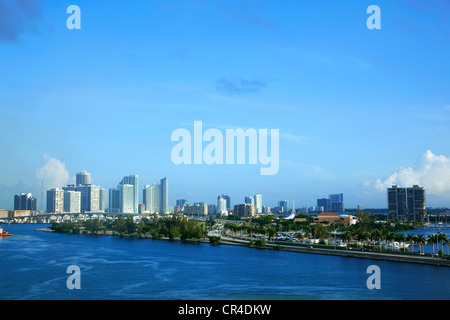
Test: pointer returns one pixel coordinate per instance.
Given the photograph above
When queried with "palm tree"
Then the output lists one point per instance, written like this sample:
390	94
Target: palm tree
420	240
447	243
411	238
441	238
433	239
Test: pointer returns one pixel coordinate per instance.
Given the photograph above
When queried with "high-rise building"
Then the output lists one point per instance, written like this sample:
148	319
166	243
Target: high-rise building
406	203
25	201
325	203
55	201
102	200
181	202
221	205
114	203
83	178
156	197
284	205
90	196
258	203
165	196
244	210
227	199
133	181
249	200
337	202
72	201
126	198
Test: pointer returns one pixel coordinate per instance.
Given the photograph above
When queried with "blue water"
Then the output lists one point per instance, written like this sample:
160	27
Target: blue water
33	265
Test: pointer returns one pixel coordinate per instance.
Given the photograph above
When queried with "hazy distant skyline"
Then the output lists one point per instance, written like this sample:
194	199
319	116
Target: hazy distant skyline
357	109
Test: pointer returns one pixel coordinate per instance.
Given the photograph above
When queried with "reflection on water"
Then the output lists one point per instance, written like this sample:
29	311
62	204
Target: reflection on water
34	264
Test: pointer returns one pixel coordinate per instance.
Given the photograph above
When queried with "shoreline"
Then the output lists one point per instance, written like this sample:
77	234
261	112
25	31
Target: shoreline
391	257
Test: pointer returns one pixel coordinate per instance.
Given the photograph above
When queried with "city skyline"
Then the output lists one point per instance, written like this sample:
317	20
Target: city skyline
357	110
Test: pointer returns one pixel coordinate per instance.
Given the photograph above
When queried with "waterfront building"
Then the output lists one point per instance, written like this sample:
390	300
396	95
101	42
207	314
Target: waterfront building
258	203
244	210
55	200
90	196
83	178
406	203
132	180
114	196
102	200
126	198
156	197
25	201
72	201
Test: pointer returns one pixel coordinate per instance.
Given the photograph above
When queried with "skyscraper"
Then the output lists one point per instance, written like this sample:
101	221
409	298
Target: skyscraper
156	197
165	196
258	203
72	201
114	203
90	196
406	203
83	178
221	205
284	205
227	199
337	202
55	201
25	201
249	200
126	198
133	181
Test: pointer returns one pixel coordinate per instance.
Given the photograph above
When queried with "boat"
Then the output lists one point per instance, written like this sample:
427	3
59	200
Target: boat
4	233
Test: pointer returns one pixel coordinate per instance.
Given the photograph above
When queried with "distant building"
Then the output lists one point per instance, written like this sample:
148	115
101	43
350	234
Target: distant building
332	217
222	205
196	209
114	196
156	197
211	208
283	205
181	202
132	180
227	199
325	203
55	201
83	178
249	200
406	203
72	201
258	203
25	201
244	210
90	196
334	203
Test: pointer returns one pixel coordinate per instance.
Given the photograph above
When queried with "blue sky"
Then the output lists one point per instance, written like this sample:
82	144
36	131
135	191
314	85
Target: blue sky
357	109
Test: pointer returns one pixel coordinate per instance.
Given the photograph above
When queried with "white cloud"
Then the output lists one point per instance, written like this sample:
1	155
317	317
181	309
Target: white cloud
431	171
54	173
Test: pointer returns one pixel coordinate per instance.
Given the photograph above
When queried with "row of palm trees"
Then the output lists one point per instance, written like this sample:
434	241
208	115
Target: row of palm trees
438	240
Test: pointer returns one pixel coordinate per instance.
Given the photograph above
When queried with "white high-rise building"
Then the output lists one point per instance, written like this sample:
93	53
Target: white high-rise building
72	201
258	203
126	198
156	197
133	181
55	200
221	205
